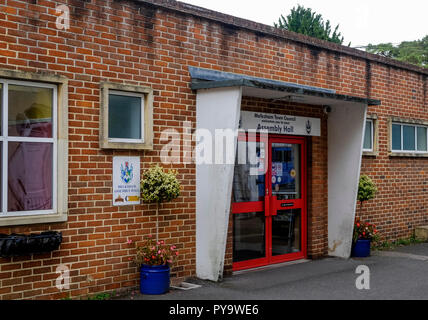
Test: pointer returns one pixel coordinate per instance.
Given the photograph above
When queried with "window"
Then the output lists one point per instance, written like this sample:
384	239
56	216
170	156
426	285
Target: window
29	161
368	136
126	117
409	138
370	142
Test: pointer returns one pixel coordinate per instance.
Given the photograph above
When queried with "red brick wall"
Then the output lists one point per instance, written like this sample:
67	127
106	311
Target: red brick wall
141	44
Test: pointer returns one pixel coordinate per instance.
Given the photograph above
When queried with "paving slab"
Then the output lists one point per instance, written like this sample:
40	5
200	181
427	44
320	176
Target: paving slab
398	274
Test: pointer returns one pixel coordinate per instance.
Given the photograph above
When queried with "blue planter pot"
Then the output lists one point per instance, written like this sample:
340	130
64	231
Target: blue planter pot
154	280
361	248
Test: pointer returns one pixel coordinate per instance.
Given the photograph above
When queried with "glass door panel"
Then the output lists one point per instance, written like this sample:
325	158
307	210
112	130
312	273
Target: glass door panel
249	175
286	171
249	235
287	207
286	232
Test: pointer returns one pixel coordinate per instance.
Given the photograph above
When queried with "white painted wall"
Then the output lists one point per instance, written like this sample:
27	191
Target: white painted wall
346	125
215	109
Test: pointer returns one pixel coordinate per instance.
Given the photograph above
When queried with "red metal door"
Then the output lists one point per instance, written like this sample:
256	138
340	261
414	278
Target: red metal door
269	207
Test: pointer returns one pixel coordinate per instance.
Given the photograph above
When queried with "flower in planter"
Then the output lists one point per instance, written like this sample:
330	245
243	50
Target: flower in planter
364	231
155	253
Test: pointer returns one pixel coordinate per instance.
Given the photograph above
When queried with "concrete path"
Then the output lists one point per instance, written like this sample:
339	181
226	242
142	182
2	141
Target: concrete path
398	274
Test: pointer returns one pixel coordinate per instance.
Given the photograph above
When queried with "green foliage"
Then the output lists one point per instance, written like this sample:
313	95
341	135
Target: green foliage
415	52
390	245
100	296
366	189
303	20
158	186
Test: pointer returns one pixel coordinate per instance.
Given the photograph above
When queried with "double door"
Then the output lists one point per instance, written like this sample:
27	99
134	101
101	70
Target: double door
269	201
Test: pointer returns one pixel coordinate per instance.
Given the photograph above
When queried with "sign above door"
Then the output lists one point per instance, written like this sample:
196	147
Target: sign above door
280	124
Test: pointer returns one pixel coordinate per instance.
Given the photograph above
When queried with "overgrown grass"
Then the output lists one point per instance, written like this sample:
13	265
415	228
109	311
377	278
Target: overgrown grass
99	296
389	245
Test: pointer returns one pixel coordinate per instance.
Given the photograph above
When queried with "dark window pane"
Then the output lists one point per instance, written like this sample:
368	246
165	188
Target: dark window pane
286	232
396	137
30	111
368	145
124	117
409	142
249	175
30	176
248	236
422	139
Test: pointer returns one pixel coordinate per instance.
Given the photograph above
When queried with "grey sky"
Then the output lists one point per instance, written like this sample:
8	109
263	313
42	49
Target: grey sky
361	22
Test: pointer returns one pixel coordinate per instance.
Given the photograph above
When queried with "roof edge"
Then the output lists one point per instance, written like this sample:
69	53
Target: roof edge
197	85
276	32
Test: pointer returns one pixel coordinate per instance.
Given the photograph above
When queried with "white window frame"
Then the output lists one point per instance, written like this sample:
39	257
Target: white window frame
372	135
5	139
142	128
416	126
146	93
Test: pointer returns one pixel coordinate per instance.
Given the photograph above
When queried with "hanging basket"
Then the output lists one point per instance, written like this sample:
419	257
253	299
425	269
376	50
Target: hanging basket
21	245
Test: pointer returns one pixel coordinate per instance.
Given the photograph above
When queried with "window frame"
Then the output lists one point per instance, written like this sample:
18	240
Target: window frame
59	211
375	136
142	106
371	137
5	139
146	143
415	126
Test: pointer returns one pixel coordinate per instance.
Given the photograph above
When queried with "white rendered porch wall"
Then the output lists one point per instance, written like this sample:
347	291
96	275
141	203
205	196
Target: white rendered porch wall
346	125
215	109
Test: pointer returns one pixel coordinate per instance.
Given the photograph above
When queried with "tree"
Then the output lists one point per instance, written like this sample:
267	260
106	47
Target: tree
303	20
415	52
366	190
158	186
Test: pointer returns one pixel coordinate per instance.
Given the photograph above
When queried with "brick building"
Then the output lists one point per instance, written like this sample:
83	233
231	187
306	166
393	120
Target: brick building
330	111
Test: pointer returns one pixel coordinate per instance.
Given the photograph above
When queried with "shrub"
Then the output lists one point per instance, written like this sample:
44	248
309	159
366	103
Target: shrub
158	186
366	189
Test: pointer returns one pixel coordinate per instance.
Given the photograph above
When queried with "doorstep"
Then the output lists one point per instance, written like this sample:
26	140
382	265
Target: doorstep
269	267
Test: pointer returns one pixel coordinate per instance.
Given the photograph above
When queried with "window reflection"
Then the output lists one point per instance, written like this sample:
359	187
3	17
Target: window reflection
248	236
286	171
124	117
249	174
286	229
30	111
29	176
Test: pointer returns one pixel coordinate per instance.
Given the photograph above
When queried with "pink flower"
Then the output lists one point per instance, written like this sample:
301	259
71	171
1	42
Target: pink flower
176	253
129	241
